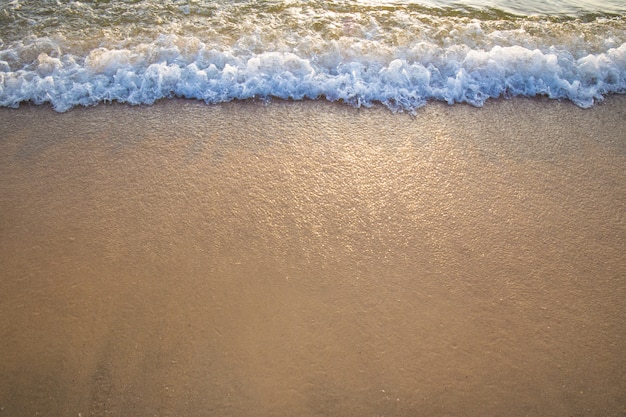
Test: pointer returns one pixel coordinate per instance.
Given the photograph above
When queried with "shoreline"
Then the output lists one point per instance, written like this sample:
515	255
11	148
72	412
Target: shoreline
607	98
310	258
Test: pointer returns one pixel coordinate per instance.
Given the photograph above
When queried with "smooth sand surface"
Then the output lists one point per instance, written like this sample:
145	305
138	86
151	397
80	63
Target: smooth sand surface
311	259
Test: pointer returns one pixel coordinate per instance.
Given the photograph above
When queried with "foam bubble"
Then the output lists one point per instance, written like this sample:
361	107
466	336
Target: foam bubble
402	79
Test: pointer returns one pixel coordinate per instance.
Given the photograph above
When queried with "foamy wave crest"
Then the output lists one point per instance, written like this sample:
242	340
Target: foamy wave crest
403	80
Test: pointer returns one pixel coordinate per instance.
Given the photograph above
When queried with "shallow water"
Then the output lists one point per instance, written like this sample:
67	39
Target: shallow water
399	54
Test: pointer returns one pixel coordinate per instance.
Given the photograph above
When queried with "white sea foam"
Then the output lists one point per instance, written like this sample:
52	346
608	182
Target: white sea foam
161	69
400	55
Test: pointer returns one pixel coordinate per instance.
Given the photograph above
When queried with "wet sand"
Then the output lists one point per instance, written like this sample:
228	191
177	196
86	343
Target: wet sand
310	259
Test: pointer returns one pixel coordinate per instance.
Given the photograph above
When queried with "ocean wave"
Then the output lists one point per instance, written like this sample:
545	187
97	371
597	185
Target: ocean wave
173	66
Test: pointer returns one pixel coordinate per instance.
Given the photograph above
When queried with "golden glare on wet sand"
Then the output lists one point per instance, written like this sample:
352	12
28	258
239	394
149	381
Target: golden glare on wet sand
311	259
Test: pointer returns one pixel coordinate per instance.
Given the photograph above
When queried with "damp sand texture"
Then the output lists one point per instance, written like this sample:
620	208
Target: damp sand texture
312	259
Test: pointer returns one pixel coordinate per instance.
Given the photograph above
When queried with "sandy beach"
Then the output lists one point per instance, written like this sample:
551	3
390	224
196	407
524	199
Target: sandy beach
312	259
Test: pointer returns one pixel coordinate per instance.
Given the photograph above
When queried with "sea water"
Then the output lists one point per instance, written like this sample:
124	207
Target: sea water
398	53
